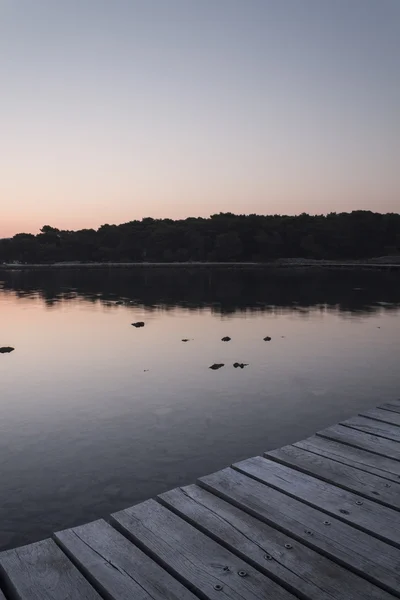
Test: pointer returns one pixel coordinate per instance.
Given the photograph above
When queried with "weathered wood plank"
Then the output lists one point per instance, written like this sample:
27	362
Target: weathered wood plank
349	478
369	557
41	571
391	407
2	597
203	565
393	403
390	432
117	568
351	508
354	457
297	567
393	418
362	440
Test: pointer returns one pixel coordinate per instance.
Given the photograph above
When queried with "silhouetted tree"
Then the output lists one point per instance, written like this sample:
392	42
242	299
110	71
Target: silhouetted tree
222	237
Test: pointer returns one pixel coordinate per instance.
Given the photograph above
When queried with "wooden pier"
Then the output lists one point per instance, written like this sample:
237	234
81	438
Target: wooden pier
317	520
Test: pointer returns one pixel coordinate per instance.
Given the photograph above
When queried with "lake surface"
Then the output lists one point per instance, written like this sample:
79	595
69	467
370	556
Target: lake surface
96	415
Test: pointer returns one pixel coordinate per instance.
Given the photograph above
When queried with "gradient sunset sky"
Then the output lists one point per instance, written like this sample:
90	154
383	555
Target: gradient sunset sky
113	110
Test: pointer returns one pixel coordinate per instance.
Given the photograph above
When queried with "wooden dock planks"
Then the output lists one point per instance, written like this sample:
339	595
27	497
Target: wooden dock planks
344	476
334	501
193	557
41	571
379	428
291	563
367	556
117	568
364	441
316	520
352	456
386	416
391	407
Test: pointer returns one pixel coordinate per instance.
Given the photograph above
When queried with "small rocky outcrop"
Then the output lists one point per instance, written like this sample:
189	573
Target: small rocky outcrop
226	339
240	365
138	324
6	349
267	339
216	366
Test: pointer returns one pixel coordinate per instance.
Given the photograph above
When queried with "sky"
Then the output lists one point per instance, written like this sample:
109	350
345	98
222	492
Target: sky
117	110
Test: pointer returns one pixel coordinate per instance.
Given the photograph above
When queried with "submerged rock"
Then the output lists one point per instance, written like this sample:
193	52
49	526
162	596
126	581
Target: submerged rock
226	339
138	324
240	365
6	349
267	339
216	366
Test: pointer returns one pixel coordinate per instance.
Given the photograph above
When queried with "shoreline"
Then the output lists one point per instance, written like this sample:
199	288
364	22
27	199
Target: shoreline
279	264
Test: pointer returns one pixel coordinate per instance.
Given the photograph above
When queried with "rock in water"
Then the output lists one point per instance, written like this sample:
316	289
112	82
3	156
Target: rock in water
240	365
216	366
138	324
267	339
6	350
185	340
226	339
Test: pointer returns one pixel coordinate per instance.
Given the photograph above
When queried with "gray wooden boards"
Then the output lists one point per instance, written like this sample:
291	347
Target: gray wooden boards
385	430
391	407
204	566
385	416
41	571
382	522
352	456
117	568
365	441
294	565
2	597
349	478
350	547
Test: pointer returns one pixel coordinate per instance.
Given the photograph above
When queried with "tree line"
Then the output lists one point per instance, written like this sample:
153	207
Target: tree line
221	237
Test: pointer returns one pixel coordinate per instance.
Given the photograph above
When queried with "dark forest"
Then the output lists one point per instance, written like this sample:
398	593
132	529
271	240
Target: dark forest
223	237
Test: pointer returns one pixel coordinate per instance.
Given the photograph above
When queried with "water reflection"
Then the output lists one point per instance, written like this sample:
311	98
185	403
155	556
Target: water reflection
96	415
225	291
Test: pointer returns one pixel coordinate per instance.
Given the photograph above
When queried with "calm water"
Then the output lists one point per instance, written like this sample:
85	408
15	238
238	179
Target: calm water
96	415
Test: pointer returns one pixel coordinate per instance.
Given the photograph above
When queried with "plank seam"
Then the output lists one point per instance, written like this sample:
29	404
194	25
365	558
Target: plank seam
379	419
352	445
232	549
137	542
298	538
86	573
308	503
358	428
355	465
341	486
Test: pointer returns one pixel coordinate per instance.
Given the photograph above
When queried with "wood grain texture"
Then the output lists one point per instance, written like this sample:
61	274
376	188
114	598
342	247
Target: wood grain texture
349	478
369	557
384	430
117	568
298	568
391	407
41	571
365	441
393	418
204	566
354	457
382	522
